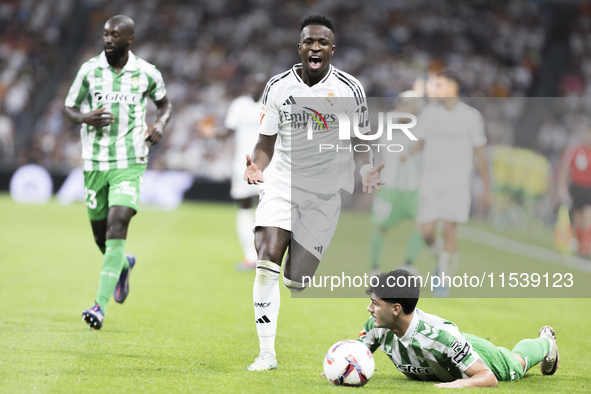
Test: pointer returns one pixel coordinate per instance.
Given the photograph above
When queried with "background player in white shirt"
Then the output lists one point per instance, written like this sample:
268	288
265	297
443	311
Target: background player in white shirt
312	204
451	135
243	120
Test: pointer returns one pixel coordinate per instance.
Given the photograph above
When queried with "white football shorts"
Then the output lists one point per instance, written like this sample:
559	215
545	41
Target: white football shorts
450	203
312	218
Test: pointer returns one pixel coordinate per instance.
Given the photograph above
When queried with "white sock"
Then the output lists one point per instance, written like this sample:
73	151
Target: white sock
454	261
265	295
436	247
443	264
244	223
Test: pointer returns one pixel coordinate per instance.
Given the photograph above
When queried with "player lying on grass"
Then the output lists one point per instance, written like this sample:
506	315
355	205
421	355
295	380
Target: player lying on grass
427	347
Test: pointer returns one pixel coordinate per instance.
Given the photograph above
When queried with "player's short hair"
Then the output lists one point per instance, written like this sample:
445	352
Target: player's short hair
397	287
317	20
452	76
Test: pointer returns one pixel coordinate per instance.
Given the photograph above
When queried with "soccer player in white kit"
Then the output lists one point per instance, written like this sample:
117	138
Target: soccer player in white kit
243	120
451	135
312	211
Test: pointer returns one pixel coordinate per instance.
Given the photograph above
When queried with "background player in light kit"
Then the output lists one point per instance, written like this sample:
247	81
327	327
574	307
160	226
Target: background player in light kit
108	97
298	218
451	135
243	120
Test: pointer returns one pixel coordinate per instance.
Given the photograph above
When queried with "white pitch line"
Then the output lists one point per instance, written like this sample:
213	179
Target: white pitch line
496	241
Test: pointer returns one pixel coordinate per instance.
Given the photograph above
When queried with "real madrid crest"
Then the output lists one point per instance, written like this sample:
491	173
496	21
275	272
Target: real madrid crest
330	100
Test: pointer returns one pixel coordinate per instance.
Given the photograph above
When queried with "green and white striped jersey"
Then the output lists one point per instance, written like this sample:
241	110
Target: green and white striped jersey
398	175
431	349
97	85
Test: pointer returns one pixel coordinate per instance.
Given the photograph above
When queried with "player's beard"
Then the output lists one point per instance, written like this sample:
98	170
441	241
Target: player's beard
116	54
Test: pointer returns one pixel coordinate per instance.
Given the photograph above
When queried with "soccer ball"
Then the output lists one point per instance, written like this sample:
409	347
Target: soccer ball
348	363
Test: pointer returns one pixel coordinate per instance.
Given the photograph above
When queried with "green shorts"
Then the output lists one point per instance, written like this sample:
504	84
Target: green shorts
390	206
500	360
118	187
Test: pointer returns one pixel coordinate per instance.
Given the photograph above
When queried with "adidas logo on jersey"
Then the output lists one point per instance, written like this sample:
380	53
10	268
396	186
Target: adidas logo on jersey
263	320
318	249
289	101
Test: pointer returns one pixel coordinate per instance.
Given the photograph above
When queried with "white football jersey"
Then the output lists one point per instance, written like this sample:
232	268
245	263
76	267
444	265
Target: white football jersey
450	138
243	118
290	107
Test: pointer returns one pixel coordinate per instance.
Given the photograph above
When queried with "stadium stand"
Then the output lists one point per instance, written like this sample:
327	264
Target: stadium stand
204	51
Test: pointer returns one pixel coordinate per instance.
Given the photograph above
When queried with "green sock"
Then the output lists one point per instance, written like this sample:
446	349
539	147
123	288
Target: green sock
377	239
415	244
532	350
110	271
125	263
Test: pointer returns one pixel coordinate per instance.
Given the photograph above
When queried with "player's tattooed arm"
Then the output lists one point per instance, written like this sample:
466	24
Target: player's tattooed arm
479	374
261	157
97	118
370	175
155	131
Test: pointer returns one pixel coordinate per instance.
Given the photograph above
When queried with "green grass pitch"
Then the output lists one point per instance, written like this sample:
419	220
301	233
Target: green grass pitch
187	325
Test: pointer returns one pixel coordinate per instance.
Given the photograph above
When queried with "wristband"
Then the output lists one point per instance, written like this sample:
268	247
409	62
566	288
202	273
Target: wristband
363	170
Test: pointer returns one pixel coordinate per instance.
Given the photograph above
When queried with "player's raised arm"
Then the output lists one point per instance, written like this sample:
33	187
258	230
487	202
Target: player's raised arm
261	157
155	131
479	374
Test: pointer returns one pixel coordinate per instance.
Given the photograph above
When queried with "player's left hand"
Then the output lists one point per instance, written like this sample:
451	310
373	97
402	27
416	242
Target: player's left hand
154	133
456	384
372	179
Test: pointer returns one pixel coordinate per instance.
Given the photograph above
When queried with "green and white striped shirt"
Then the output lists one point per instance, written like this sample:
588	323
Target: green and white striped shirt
97	85
398	175
431	349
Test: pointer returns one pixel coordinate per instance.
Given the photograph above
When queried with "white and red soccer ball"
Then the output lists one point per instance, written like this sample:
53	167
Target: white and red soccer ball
348	363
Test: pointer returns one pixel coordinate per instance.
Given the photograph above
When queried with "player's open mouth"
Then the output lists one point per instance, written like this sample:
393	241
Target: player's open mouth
315	62
109	49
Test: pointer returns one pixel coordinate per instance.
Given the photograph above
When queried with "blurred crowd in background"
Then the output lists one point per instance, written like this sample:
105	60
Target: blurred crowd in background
205	49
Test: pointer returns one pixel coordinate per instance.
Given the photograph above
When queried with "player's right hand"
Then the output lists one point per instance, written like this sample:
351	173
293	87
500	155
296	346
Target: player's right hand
252	175
98	118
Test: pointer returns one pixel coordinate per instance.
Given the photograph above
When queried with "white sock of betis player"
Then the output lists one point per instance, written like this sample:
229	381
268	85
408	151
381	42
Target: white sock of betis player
266	299
244	224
